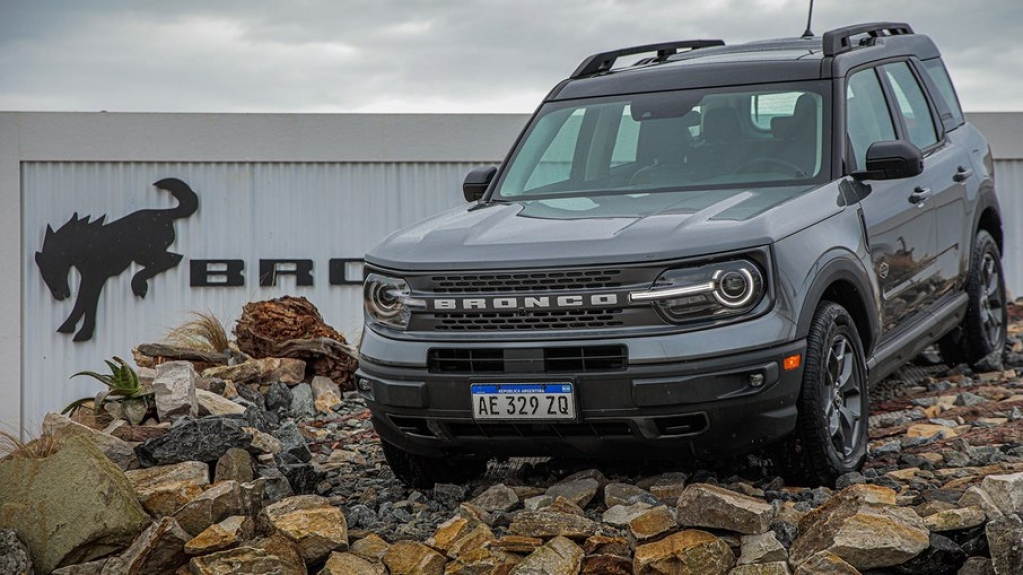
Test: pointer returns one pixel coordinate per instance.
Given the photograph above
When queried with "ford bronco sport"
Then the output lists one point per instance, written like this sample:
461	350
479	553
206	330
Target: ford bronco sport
710	251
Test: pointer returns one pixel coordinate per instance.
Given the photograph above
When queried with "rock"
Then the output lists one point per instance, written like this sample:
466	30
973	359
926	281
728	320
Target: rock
862	527
163	490
626	494
942	557
277	485
977	566
558	557
974	496
447	533
968	399
621	515
236	465
236	561
652	524
411	558
89	568
302	404
302	477
497	498
244	372
203	440
545	524
286	370
278	398
955	519
159	550
537	503
1004	537
702	505
293	443
71	507
580	491
691	552
475	539
825	563
349	564
604	545
14	557
606	565
371	547
174	391
264	442
669	487
448	494
762	548
774	568
217	503
316	526
326	395
285	550
227	533
482	562
930	431
1006	491
62	428
562	505
213	404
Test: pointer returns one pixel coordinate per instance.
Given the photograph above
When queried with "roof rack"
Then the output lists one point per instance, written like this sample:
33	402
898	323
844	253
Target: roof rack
837	41
604	61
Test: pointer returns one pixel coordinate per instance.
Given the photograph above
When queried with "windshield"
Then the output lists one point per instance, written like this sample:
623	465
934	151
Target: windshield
689	139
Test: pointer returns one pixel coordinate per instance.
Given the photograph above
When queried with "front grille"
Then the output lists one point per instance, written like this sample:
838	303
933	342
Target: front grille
528	320
534	281
547	360
527	430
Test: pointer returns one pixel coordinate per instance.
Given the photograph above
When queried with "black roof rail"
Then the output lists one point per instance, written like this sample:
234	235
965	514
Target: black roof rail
604	61
837	41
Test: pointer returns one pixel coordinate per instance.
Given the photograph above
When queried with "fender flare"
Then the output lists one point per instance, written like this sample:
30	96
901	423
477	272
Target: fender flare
841	268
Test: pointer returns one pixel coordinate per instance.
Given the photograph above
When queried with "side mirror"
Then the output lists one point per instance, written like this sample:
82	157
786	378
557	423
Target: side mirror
476	183
891	160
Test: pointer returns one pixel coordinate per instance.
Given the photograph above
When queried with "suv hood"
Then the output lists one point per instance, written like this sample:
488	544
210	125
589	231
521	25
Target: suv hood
605	229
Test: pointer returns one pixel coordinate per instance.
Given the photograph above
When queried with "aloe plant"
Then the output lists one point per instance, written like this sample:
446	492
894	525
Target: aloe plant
122	383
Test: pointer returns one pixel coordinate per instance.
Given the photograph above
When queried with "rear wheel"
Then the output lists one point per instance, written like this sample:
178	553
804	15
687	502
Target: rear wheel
831	431
983	329
422	472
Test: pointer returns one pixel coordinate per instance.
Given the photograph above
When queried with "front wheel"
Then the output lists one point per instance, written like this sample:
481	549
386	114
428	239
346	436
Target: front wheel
831	430
422	471
983	329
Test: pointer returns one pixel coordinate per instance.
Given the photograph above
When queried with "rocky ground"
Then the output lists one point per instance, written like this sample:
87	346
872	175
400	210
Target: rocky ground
291	479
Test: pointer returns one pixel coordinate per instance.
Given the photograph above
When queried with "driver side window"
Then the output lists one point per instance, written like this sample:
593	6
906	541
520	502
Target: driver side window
868	119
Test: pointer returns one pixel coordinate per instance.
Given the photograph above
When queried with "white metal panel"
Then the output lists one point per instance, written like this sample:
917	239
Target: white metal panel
254	211
1009	185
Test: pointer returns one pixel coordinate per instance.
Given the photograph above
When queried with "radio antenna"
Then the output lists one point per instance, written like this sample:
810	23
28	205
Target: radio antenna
808	33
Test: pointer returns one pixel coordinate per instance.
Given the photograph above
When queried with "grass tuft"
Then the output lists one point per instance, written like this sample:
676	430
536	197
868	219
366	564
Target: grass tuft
203	333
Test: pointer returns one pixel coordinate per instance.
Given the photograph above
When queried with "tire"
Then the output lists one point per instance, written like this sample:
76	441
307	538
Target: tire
983	329
422	472
830	438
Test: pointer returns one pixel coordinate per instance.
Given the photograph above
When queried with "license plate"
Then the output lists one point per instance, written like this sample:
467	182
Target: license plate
523	401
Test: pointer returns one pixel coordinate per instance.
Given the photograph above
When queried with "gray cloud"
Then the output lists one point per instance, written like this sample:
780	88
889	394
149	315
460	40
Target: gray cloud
416	55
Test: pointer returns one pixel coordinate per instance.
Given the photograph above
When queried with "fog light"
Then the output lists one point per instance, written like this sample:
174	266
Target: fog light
756	379
364	384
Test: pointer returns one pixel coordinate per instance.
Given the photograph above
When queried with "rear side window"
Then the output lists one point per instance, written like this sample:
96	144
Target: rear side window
867	116
936	70
912	105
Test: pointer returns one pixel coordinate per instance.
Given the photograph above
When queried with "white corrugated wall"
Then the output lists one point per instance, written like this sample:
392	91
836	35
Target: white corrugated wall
1009	184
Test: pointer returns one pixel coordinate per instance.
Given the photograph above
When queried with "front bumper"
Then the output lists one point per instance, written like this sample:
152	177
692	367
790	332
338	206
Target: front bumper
679	409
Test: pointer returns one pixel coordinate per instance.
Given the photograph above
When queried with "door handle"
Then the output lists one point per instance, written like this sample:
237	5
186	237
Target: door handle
962	174
919	195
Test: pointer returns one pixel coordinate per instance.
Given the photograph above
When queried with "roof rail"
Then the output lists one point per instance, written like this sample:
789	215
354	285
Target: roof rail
837	41
604	61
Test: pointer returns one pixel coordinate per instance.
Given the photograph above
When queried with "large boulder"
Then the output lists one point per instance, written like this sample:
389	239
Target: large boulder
691	552
174	390
205	440
861	526
159	550
70	507
62	428
311	522
702	505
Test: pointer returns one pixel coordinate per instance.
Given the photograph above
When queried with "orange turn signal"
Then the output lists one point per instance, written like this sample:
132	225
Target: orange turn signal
792	362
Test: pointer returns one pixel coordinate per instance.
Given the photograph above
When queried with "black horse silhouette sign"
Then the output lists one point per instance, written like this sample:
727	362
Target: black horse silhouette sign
100	251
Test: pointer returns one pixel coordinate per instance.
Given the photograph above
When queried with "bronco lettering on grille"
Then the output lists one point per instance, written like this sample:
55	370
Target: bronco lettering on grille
524	303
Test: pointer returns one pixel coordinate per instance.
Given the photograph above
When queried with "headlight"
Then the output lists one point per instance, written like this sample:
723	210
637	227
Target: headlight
710	291
388	301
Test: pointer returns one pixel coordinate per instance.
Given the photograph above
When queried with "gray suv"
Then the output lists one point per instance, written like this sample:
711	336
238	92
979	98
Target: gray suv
706	252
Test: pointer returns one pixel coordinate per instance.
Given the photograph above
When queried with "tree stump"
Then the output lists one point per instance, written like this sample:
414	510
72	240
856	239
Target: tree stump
292	327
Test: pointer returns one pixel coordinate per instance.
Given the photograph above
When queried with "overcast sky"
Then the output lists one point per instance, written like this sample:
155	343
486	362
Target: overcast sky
421	55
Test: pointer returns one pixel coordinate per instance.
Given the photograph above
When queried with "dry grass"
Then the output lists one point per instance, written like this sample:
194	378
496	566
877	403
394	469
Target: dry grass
204	333
12	446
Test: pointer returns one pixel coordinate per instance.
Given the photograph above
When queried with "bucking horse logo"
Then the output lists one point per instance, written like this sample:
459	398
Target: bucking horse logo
100	251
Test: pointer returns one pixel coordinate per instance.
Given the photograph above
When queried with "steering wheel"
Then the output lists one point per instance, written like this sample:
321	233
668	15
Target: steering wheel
743	168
